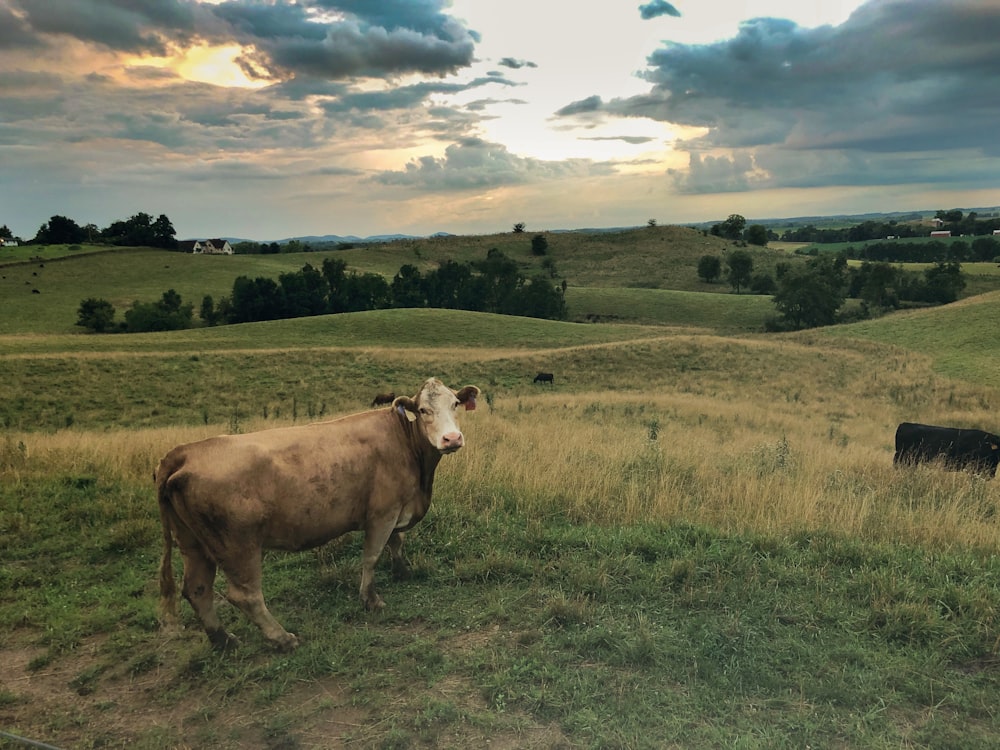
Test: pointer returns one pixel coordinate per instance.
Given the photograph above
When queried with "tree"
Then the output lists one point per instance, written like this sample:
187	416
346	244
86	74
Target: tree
762	283
95	314
498	282
60	230
519	227
304	293
164	234
449	286
168	314
210	314
943	282
254	300
540	298
408	287
952	216
809	296
651	223
136	231
740	265
756	234
731	228
709	268
539	244
876	285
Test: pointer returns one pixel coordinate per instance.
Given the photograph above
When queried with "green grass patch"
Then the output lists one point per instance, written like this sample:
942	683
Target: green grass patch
639	636
712	311
962	338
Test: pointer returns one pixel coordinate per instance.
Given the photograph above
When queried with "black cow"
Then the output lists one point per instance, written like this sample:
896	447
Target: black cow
544	377
381	399
956	448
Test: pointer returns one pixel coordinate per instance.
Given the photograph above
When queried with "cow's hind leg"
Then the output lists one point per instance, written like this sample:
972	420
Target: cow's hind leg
245	592
199	590
400	565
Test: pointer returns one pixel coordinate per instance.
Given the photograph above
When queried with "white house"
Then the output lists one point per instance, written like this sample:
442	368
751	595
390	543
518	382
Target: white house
206	247
8	243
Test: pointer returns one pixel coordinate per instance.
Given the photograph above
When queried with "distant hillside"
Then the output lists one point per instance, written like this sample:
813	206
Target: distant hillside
839	220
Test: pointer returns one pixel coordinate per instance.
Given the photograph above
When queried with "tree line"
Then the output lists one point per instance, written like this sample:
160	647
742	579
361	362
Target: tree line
812	294
493	285
953	220
981	249
140	230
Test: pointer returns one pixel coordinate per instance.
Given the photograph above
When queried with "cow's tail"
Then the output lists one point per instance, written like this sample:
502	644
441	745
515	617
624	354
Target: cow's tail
169	614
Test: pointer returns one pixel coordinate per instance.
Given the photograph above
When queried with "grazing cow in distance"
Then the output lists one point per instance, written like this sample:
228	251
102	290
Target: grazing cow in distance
957	448
381	399
544	377
224	500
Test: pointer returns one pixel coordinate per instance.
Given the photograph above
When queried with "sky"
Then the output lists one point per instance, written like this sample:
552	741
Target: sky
269	119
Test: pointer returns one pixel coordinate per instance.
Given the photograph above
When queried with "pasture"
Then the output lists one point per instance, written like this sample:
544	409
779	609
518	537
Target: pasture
694	538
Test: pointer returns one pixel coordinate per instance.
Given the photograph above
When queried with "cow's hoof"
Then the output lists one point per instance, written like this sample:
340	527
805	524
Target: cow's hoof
286	643
374	603
223	641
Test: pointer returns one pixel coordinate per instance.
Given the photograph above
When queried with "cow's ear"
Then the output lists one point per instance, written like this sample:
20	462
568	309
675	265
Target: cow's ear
468	397
406	407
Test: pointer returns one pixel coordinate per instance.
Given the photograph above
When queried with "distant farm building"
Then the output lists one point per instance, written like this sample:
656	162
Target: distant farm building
941	233
8	243
206	247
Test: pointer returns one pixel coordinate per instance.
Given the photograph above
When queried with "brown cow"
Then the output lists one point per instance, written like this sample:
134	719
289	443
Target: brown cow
225	499
381	399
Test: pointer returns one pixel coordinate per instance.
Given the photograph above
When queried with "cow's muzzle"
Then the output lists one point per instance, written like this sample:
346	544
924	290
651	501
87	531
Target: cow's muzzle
451	442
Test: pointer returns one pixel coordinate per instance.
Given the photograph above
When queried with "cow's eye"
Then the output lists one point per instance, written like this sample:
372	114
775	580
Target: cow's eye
424	410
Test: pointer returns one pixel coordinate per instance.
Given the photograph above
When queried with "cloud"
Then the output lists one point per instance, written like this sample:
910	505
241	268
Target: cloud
332	39
657	8
633	140
898	77
584	106
404	97
510	62
474	164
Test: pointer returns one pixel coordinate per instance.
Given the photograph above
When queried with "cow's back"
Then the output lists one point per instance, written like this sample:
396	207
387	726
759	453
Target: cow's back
291	487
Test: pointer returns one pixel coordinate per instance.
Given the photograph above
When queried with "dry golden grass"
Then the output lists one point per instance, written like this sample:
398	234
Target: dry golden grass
736	465
777	436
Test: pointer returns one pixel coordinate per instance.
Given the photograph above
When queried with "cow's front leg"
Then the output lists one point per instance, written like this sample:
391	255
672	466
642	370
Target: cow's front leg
376	535
400	565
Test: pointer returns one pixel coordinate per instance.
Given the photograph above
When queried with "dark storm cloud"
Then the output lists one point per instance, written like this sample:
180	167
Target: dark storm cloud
320	38
139	26
14	33
657	8
475	164
898	77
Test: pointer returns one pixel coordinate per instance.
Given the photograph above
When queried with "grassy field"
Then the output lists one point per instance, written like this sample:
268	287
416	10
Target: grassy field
694	538
42	295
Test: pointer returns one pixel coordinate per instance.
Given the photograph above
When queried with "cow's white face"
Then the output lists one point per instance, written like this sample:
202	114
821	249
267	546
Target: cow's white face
435	408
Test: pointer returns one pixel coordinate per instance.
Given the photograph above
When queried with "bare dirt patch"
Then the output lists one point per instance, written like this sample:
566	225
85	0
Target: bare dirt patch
83	700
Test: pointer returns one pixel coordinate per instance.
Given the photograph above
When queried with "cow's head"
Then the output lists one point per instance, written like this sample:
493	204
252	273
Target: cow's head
435	410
